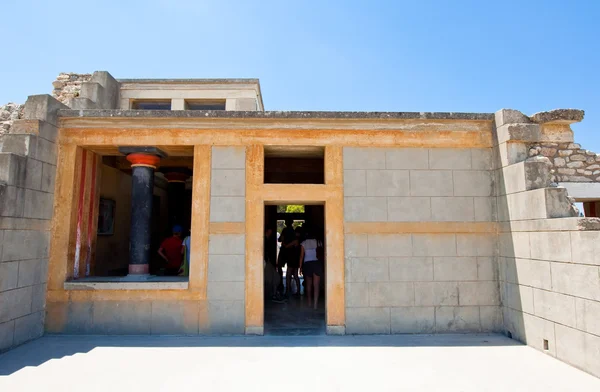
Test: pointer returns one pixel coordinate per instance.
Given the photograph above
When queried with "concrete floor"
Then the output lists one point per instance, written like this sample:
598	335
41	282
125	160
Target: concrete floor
294	317
286	363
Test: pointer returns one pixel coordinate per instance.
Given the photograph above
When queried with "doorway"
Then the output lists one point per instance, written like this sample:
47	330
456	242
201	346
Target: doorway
286	298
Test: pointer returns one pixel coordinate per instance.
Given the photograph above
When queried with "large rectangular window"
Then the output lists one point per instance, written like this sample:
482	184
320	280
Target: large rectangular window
154	104
294	165
205	104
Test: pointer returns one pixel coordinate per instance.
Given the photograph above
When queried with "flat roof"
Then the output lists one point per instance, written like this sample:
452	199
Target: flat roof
193	81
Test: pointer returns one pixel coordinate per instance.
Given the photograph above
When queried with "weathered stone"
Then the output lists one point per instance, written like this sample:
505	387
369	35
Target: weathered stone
575	165
590	153
565	153
558	115
579	179
566	171
559	162
532	152
580	171
590	160
596	172
588	172
574	146
578	157
548	152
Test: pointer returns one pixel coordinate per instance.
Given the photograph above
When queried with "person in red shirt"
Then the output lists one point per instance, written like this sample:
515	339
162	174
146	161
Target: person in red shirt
170	251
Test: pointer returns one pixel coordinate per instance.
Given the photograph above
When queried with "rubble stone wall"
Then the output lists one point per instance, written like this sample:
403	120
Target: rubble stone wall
570	163
8	114
68	85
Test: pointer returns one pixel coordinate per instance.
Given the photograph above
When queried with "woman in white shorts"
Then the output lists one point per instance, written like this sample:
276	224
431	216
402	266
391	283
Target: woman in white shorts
311	267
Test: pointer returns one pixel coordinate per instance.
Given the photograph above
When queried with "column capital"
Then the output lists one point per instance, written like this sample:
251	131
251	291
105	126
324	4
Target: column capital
140	159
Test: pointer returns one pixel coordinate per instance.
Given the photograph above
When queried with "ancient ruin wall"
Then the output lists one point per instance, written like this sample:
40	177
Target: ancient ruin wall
8	114
68	85
570	163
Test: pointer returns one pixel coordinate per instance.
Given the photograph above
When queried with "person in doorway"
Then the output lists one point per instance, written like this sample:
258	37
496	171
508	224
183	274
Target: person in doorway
287	254
184	269
272	278
170	251
311	267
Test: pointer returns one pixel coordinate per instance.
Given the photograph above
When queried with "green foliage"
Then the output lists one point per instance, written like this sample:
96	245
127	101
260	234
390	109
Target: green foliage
294	208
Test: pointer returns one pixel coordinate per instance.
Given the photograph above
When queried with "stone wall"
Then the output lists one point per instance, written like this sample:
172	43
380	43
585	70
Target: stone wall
8	114
570	162
68	86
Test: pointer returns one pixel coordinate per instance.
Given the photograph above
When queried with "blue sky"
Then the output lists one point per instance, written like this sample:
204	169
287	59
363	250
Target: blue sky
468	56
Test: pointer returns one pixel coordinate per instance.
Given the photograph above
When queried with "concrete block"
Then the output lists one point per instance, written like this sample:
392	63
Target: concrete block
227	209
519	297
555	307
522	133
12	201
434	244
13	169
110	88
226	317
533	273
431	183
457	319
175	317
473	183
226	268
509	116
42	107
491	319
436	293
407	158
487	268
245	104
364	158
24	145
367	321
387	183
357	295
450	158
122	317
348	269
476	244
553	246
454	268
33	272
15	303
7	333
228	182
226	244
39	128
25	244
260	331
557	203
478	293
48	178
388	294
9	275
514	244
536	331
585	247
576	279
38	298
410	269
33	174
356	245
481	159
485	209
365	209
29	327
452	209
412	320
355	183
226	291
409	209
229	157
381	245
80	319
370	269
337	330
509	153
588	315
45	151
38	205
571	346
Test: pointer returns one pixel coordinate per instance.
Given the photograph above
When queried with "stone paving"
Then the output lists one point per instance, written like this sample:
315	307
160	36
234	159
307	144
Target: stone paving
290	363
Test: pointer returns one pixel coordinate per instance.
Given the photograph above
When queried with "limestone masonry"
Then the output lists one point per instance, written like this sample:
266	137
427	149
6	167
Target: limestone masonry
432	222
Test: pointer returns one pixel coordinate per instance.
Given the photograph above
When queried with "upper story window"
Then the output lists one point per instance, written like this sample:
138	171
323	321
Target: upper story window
205	104
154	104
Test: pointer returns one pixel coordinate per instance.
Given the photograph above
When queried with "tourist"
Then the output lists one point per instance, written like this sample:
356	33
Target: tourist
184	270
311	267
286	253
272	278
170	251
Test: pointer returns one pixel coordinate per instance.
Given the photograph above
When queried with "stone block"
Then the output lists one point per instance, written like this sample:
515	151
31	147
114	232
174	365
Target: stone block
357	295
514	244
42	107
519	297
476	244
410	269
431	183
370	269
45	151
509	116
571	346
355	183
552	246
245	104
38	205
457	319
38	298
7	333
388	294
80	319
227	209
434	244
356	245
519	133
226	268
48	178
226	244
407	158
15	303
24	145
412	320
175	317
382	245
450	158
33	174
229	157
454	268
32	272
576	279
585	247
365	209
510	153
29	327
367	321
364	158
487	268
348	269
39	128
226	291
409	209
228	182
9	275
472	183
226	317
13	169
12	201
387	183
25	244
436	293
533	273
452	209
557	203
481	159
554	307
478	293
491	319
536	331
485	209
122	317
588	315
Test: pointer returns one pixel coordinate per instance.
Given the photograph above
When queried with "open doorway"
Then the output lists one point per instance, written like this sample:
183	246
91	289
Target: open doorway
290	306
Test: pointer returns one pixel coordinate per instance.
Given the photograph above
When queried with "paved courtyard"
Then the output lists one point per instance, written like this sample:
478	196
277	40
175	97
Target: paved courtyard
284	363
